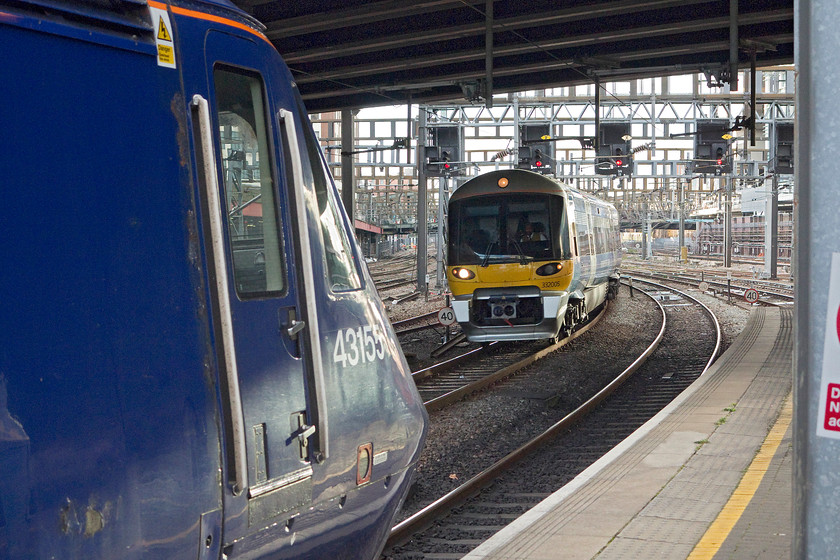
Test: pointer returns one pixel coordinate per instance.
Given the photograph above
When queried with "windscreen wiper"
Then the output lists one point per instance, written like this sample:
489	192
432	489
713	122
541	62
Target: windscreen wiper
485	262
523	258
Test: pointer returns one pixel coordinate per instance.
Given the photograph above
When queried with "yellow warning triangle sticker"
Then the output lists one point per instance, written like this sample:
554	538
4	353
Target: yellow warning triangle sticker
163	38
163	33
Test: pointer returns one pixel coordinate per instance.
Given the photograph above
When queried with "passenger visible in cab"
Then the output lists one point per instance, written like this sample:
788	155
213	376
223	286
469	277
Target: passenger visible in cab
532	233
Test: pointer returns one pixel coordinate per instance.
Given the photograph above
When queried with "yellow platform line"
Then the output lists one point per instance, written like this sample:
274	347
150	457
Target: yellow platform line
730	514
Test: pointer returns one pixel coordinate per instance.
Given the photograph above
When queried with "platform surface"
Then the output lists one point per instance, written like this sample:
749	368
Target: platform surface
708	477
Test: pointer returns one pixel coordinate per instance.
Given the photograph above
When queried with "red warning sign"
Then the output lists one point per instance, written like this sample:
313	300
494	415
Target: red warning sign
832	408
828	420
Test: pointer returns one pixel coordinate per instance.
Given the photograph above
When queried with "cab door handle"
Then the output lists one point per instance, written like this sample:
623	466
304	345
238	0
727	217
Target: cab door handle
294	328
292	325
305	433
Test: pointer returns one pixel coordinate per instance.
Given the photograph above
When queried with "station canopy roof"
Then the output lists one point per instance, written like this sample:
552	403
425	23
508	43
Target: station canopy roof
363	53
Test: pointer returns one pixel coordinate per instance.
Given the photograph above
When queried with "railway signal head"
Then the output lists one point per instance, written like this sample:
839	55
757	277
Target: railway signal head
624	162
443	151
614	155
783	148
711	144
535	148
524	161
445	157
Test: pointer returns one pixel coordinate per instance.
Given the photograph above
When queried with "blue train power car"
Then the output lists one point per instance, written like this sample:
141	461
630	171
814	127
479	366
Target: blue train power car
194	362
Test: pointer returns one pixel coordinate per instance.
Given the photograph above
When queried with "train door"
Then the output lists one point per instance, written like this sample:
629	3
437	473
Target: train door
592	243
261	323
580	229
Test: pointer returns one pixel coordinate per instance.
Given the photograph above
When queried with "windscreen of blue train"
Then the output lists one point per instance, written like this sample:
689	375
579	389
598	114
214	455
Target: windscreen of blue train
496	229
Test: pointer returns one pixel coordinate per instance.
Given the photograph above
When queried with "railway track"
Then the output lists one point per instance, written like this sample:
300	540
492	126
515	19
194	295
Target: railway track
455	379
418	323
718	258
771	293
392	283
497	494
391	275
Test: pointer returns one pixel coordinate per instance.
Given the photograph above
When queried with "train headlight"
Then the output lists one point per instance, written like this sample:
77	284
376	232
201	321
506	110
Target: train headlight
463	273
549	269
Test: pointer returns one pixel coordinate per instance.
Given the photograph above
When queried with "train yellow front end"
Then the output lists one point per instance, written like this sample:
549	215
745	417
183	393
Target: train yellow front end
520	304
525	260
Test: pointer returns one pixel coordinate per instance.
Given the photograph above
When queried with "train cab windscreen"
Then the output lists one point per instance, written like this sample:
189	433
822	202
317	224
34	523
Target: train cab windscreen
497	229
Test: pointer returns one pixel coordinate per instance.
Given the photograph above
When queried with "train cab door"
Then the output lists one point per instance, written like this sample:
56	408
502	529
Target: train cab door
258	301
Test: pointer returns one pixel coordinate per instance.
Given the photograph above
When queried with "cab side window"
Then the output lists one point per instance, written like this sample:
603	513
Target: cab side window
249	199
342	269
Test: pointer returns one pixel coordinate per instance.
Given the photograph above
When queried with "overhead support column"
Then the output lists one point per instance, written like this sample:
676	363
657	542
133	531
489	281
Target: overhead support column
733	45
488	54
771	228
646	248
348	177
681	204
597	117
771	214
652	119
516	134
816	430
422	220
752	97
408	131
727	224
442	222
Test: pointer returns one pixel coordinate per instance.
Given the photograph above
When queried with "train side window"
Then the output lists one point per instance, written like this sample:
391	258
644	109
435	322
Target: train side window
559	228
342	266
599	237
253	222
583	232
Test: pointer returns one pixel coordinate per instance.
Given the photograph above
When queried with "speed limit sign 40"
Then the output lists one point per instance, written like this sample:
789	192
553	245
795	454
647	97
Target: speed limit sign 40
751	295
446	316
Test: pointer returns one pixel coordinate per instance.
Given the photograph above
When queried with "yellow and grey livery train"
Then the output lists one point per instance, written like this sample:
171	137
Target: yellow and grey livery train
528	257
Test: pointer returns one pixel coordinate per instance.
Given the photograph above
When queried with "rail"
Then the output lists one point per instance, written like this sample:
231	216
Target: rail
403	531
